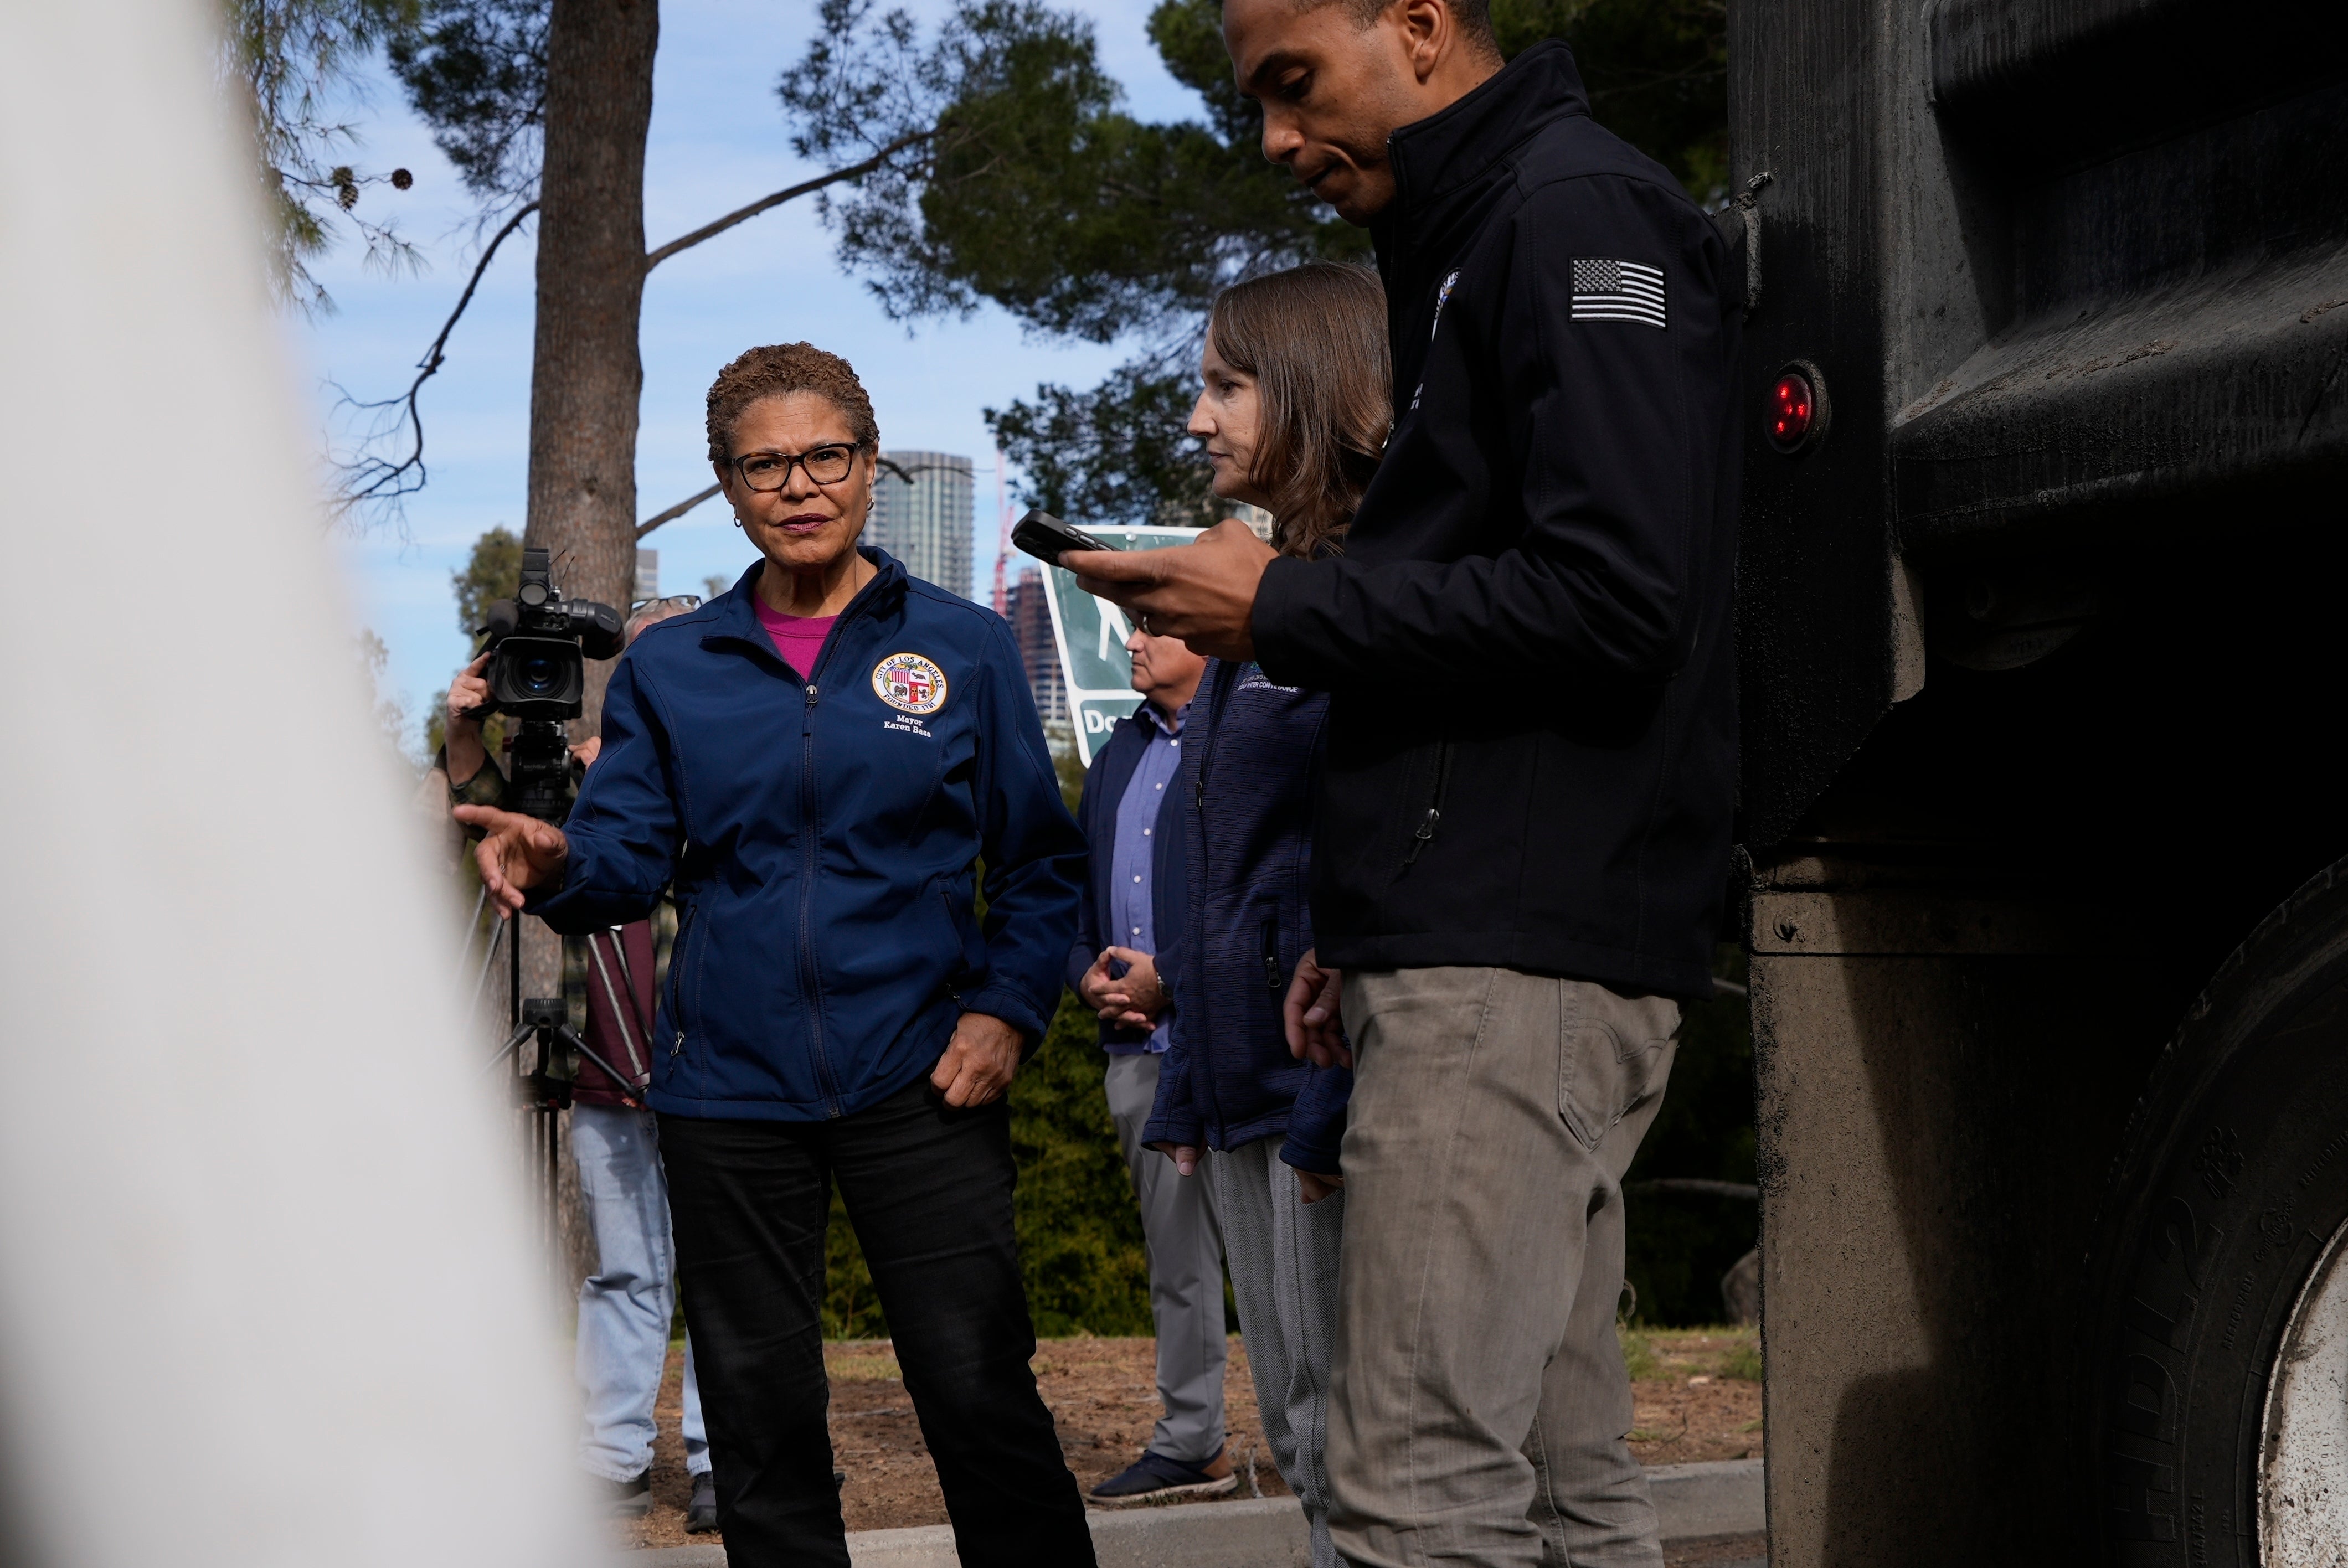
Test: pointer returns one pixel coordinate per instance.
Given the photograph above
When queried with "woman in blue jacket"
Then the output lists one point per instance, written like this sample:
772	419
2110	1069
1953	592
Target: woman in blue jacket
817	759
1293	413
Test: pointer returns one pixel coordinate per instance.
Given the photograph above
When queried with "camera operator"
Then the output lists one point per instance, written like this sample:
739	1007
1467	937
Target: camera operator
626	1306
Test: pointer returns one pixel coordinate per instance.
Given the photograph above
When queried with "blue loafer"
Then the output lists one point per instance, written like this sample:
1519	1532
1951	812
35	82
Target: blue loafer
1153	1477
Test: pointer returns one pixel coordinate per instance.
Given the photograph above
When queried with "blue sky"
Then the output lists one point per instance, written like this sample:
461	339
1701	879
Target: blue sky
718	139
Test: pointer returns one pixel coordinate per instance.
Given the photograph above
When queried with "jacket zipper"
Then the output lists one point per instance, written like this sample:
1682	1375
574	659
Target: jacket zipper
1272	955
1202	1076
676	980
1433	816
1215	706
809	829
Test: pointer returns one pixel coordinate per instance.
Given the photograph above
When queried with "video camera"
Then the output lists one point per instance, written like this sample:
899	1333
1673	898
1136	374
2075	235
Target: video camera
539	645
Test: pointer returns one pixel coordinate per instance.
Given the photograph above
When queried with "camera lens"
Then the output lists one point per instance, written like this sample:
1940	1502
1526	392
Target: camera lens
540	675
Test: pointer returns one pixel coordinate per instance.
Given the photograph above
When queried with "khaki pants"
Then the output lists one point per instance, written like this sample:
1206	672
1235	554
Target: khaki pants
1479	1402
1283	1260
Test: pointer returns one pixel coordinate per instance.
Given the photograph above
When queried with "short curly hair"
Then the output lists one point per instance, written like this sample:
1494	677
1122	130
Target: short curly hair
777	371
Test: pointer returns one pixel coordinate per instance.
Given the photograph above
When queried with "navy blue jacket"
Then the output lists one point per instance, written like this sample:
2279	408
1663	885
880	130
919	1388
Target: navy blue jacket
821	829
1105	784
1247	784
1529	640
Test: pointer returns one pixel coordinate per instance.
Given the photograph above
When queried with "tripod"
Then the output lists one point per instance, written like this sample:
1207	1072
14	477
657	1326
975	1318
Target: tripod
538	697
548	1018
541	1091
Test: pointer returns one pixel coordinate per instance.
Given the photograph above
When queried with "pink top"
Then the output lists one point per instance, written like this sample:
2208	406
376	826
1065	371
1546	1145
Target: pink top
798	638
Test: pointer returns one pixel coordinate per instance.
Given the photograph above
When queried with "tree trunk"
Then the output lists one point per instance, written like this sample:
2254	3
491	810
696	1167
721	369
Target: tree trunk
587	375
586	380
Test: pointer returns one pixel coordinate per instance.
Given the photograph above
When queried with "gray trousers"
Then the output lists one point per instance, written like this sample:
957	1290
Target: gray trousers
1283	1259
1186	1273
1478	1401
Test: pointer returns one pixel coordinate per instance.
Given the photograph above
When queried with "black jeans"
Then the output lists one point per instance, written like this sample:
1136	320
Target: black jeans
929	1191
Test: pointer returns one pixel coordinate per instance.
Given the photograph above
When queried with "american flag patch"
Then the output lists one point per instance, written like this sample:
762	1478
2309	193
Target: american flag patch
1617	291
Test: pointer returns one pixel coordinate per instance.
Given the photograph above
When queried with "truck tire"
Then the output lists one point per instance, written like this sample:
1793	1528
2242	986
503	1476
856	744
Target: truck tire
2217	1364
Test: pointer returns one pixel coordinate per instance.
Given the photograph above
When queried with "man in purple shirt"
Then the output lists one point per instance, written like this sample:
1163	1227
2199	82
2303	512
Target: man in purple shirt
1122	968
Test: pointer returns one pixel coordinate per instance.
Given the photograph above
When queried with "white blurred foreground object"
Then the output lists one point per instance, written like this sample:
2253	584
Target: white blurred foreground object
266	1296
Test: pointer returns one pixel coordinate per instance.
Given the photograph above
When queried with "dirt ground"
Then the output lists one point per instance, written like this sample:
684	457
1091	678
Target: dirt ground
1695	1394
1692	1393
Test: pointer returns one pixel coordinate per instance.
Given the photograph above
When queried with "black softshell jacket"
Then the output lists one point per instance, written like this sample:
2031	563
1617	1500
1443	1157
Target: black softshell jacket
1531	753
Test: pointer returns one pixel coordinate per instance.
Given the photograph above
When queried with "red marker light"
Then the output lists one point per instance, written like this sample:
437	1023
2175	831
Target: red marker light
1796	417
1791	403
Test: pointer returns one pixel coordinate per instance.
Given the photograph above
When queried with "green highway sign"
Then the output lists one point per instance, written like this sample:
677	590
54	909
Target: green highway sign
1090	634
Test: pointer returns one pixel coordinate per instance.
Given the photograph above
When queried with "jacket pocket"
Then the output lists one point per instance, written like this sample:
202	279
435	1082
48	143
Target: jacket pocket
1430	817
970	946
1613	1056
1274	979
683	957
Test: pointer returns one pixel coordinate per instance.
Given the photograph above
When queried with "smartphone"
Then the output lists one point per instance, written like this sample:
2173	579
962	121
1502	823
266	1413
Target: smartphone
1043	536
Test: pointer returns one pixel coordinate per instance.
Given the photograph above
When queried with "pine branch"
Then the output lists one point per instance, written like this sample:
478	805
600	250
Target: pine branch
670	516
372	479
744	214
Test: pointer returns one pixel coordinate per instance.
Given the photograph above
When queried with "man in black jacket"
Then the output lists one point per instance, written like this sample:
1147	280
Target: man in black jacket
1524	825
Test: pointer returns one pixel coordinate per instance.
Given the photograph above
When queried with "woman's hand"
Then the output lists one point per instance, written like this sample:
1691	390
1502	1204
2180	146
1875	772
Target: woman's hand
1184	1155
1133	999
979	1063
1309	1016
467	695
519	853
1313	1186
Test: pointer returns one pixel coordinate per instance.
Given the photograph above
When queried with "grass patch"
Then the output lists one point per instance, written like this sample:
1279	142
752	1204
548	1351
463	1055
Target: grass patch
865	1363
1674	1355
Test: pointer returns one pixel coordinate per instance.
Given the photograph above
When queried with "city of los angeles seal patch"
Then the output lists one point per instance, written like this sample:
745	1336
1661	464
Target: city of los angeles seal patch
909	683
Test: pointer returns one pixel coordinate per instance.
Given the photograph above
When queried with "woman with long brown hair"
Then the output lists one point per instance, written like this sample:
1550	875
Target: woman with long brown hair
1292	414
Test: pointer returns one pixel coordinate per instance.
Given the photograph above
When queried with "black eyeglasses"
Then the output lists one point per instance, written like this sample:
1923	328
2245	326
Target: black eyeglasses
770	471
682	600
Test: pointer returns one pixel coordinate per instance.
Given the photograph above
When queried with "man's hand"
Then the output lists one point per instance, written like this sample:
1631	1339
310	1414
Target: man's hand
1313	1186
585	753
1203	593
1309	1016
519	853
468	694
979	1061
1184	1155
1130	1000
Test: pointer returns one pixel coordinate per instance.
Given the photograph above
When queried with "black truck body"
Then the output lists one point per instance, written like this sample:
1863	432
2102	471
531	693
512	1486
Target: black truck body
2044	645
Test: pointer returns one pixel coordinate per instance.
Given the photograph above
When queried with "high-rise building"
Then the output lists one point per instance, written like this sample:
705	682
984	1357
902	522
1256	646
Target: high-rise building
922	515
647	573
1031	628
